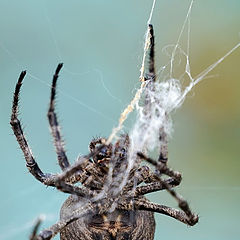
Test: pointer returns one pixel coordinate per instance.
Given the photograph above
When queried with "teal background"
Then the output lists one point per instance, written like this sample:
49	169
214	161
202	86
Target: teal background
100	43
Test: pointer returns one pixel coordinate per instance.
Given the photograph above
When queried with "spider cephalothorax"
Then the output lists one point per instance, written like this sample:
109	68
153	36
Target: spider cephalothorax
108	201
95	170
110	151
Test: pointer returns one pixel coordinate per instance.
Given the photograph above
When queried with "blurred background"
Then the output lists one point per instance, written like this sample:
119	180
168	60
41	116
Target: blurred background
101	45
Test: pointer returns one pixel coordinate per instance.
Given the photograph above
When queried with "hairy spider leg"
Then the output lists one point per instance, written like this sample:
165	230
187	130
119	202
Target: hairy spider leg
151	76
45	178
163	155
161	167
99	207
188	217
151	68
18	132
185	216
95	142
155	187
54	126
144	204
56	133
50	232
152	179
35	229
82	171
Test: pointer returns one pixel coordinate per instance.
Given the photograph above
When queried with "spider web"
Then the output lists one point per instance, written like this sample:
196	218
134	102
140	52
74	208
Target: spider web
166	96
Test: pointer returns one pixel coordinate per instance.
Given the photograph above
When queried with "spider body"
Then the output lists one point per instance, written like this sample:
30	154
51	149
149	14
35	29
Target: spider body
118	225
106	199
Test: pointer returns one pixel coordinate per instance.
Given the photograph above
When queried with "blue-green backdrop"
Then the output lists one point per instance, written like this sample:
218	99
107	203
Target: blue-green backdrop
100	43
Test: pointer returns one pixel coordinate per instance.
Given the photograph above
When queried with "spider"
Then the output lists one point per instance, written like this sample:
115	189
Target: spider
97	208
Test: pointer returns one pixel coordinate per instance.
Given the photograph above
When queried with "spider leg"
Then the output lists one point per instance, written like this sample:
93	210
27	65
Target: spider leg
163	156
144	174
35	229
191	217
56	228
71	189
182	216
52	231
165	184
144	204
45	178
76	168
155	186
54	126
151	67
95	142
85	210
77	172
18	132
150	76
162	167
83	171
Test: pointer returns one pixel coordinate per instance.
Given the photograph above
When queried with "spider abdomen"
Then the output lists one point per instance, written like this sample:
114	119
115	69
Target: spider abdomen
116	225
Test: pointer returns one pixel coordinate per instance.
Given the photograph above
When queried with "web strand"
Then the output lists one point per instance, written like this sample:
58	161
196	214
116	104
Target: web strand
138	94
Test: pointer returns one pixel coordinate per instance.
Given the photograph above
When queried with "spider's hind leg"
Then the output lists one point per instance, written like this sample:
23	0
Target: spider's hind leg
54	126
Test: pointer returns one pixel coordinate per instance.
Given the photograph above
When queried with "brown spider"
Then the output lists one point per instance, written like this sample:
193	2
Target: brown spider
98	208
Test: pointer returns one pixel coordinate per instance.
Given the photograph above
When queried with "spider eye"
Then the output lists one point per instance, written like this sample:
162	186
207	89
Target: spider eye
102	153
103	150
123	152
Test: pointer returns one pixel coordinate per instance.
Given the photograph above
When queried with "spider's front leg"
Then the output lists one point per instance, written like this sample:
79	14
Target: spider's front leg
45	178
186	214
18	132
54	126
151	67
